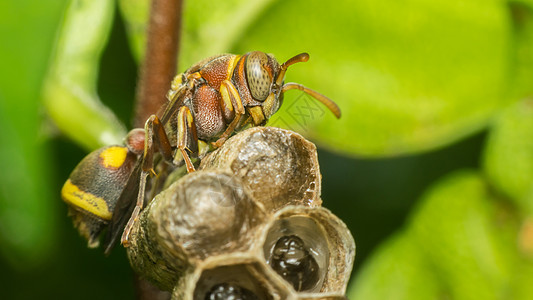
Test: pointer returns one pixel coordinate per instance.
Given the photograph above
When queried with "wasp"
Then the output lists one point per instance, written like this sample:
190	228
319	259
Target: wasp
208	102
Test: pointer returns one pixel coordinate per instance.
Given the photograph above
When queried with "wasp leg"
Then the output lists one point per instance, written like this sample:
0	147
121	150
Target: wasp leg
155	135
187	136
175	100
231	100
123	208
124	240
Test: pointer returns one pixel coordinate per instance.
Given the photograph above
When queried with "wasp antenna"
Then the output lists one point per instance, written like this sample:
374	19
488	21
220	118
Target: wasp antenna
302	57
332	106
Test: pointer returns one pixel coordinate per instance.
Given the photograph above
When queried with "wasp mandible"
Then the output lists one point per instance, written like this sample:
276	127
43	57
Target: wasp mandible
208	102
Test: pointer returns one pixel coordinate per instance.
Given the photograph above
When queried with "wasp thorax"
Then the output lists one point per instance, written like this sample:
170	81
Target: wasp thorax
259	78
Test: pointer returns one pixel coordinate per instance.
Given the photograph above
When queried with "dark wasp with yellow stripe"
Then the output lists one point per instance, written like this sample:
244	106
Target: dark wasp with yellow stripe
208	102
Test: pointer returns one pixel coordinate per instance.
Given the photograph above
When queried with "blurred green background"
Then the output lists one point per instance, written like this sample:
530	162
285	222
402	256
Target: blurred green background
431	164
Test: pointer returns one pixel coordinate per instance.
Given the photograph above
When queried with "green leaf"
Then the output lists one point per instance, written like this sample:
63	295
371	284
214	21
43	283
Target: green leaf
136	14
522	37
408	75
521	284
396	271
508	157
28	215
456	228
212	28
208	27
70	88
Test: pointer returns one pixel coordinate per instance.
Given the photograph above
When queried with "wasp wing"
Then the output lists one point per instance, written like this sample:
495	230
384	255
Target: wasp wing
123	209
176	99
128	199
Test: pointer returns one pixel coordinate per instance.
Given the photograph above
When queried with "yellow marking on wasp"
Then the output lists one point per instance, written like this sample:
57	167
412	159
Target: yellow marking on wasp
268	104
232	63
184	118
225	95
176	82
189	119
233	94
113	157
257	114
181	131
86	201
238	100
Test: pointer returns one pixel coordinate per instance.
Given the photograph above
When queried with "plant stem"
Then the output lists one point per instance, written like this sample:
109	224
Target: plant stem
158	69
160	61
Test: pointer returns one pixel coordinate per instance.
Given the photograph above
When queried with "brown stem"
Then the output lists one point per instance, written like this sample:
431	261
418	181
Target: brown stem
160	61
157	70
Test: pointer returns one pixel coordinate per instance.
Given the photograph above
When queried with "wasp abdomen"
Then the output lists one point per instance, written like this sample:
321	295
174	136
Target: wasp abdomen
94	187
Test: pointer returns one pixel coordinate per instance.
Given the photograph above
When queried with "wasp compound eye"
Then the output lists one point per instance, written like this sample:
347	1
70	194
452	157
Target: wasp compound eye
229	291
294	263
259	79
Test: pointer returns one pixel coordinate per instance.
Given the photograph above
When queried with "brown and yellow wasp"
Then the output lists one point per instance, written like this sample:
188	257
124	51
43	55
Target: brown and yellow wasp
208	102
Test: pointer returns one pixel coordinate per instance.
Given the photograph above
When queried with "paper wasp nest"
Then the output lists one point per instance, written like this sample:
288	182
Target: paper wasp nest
248	224
279	166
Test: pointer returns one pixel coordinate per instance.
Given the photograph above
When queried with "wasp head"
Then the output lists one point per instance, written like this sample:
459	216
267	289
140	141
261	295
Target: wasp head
266	82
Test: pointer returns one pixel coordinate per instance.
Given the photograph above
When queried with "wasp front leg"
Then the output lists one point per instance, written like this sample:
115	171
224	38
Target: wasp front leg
232	108
155	136
187	136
